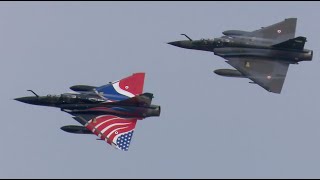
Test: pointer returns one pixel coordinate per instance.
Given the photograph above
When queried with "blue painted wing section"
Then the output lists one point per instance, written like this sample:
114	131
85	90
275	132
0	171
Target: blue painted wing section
122	109
110	93
123	141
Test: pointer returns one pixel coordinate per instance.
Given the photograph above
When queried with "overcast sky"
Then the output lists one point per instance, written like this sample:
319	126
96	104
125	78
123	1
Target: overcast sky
210	126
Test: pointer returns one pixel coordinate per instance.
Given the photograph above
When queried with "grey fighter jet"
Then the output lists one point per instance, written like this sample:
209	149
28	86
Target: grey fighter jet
110	111
262	55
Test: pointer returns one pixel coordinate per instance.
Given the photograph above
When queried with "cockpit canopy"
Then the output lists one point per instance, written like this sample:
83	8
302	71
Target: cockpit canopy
223	40
54	95
68	95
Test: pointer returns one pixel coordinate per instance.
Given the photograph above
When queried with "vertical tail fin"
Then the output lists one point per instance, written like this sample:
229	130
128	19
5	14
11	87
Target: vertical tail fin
296	43
122	89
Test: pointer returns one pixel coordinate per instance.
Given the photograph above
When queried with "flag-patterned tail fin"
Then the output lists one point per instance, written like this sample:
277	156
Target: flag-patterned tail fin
122	89
114	130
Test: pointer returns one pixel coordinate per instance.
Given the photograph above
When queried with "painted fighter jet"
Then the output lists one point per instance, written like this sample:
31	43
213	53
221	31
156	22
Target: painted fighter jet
262	55
110	111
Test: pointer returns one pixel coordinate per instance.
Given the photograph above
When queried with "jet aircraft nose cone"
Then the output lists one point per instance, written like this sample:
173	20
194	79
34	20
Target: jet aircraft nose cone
175	43
183	44
22	99
29	100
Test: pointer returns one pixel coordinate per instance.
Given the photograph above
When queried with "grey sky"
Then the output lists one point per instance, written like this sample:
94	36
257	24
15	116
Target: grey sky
209	127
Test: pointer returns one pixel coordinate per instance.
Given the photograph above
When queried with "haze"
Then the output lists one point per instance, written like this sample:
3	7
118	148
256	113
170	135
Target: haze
210	126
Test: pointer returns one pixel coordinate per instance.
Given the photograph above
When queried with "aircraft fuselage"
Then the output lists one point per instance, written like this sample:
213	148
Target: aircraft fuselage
91	104
238	46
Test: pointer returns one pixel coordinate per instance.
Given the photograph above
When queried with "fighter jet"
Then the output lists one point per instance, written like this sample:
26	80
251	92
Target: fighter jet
110	111
262	55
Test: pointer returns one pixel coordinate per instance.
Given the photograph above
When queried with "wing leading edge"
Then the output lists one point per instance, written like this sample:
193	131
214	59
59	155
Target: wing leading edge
269	74
279	32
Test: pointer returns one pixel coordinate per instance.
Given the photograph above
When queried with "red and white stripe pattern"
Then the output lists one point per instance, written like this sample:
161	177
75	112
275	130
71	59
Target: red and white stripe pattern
122	89
110	128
